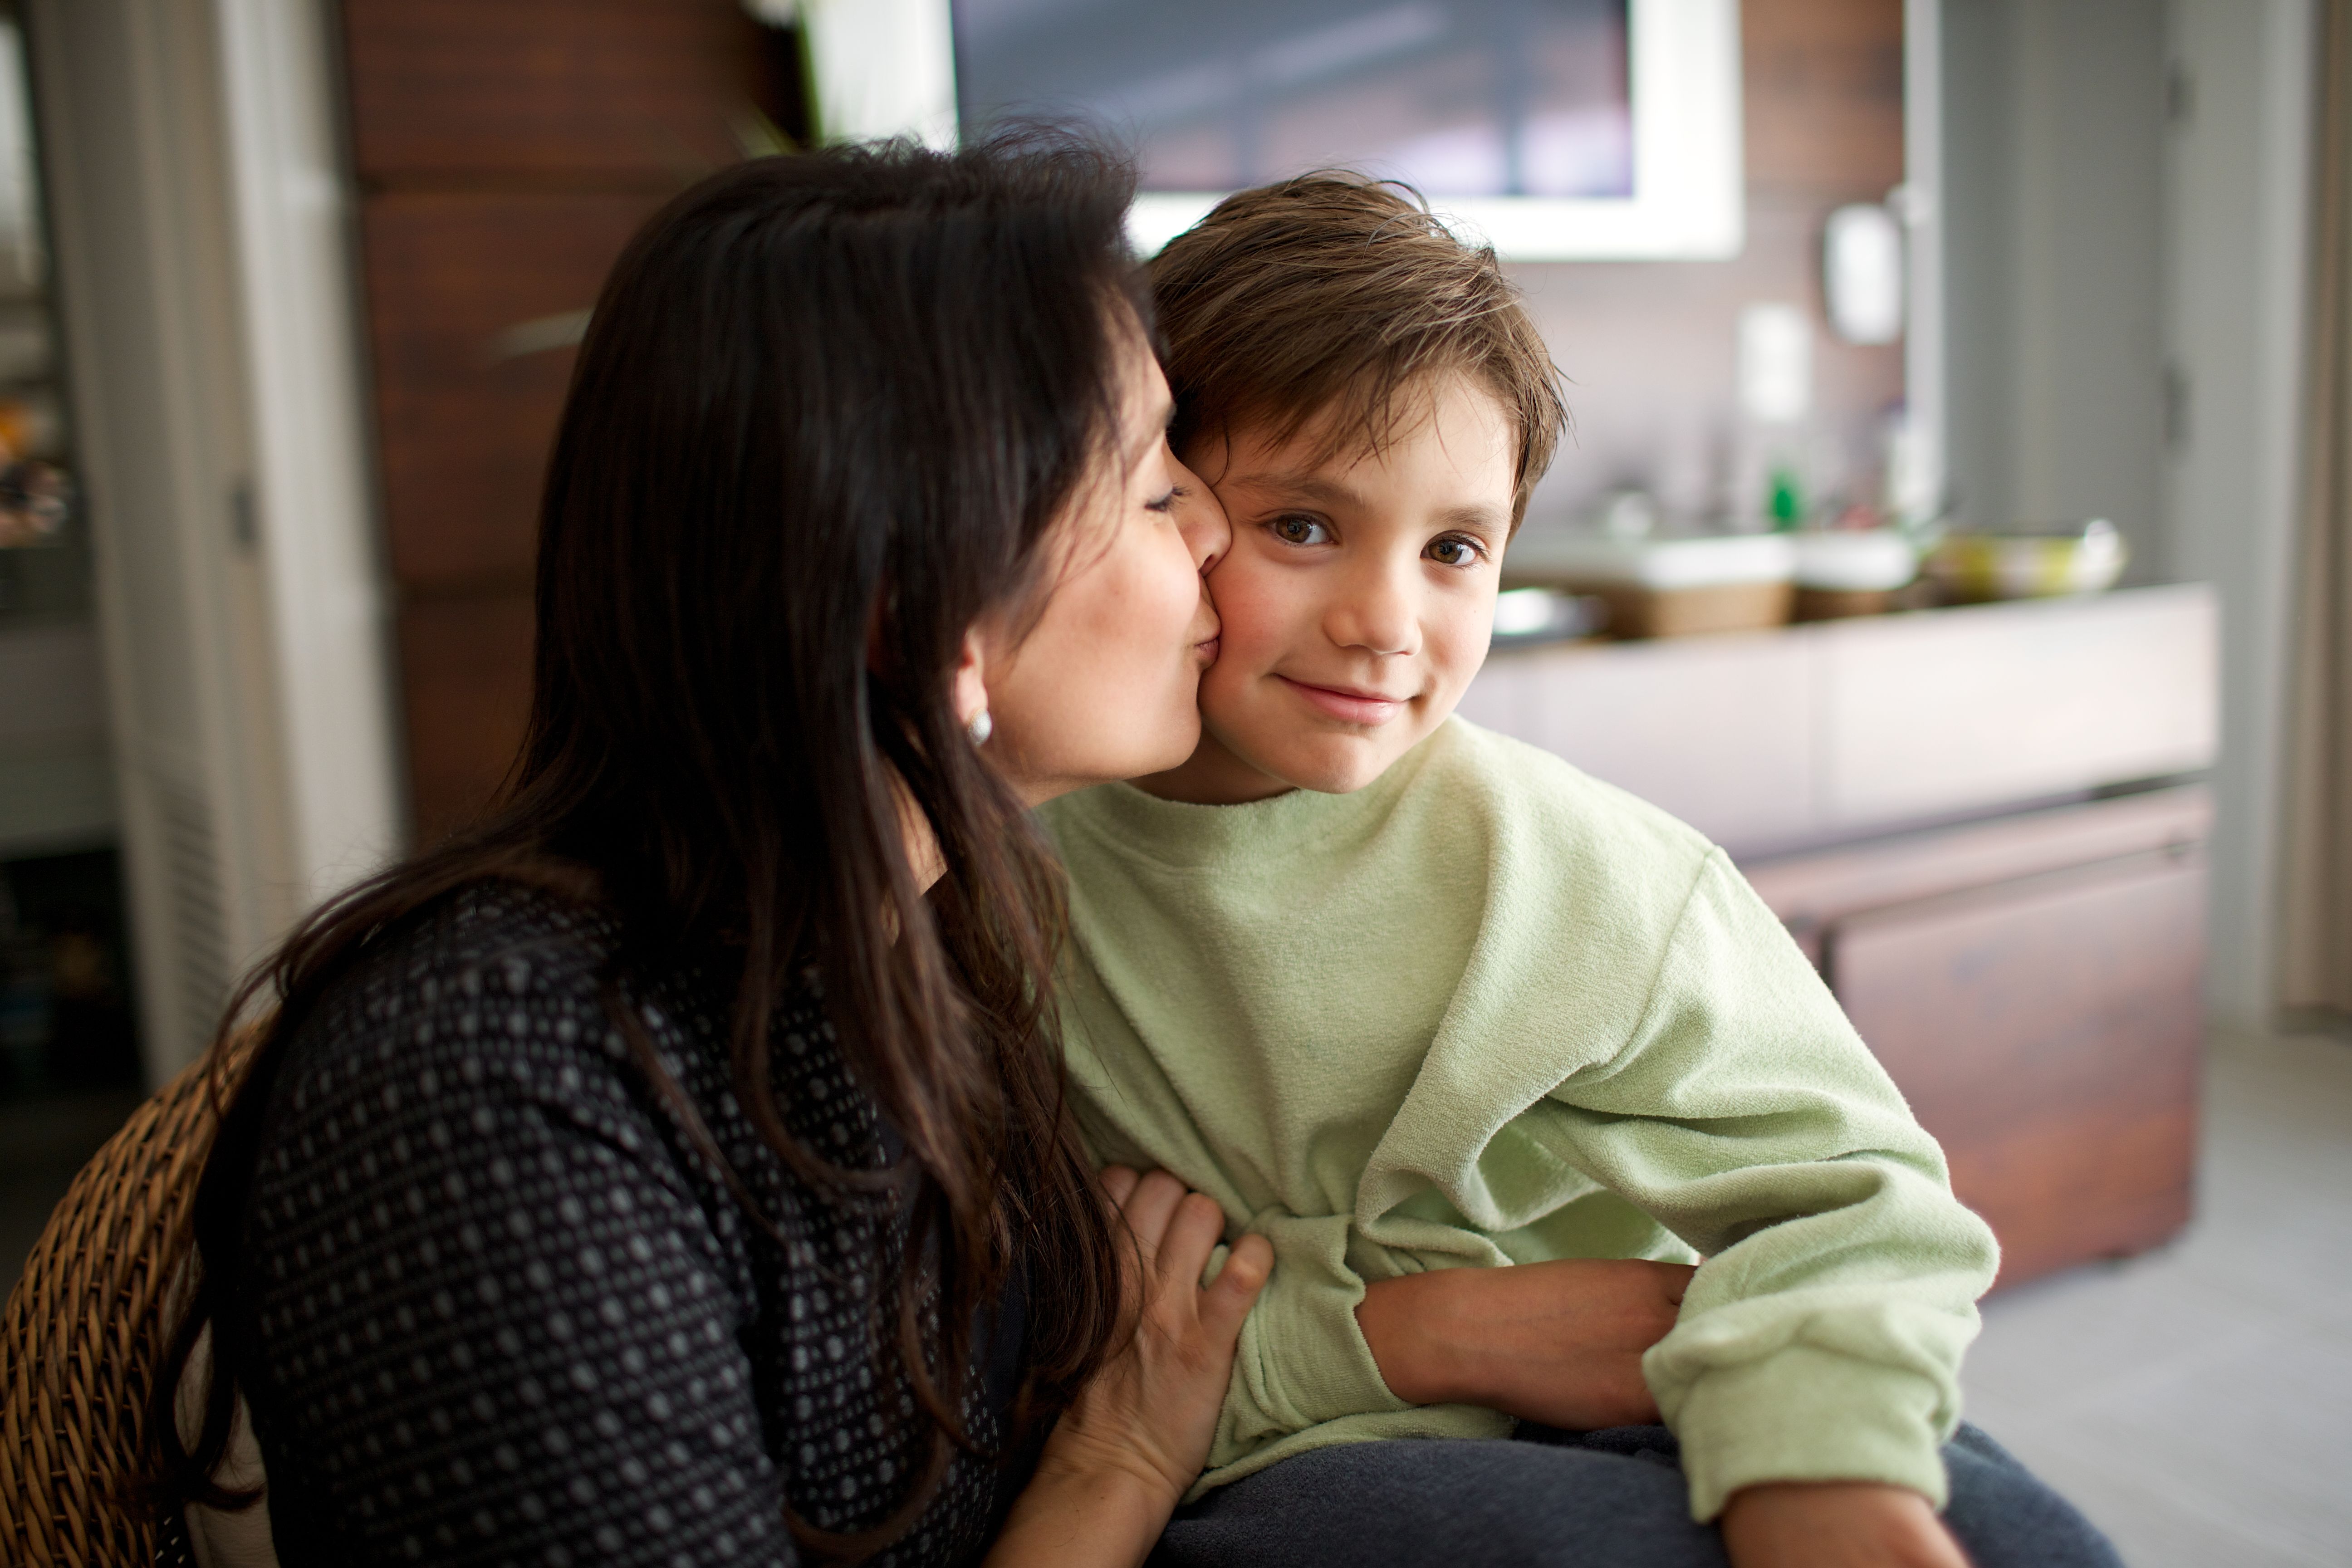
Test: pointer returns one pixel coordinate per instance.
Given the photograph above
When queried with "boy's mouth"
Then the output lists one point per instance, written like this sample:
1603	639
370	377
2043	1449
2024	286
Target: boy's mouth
1346	703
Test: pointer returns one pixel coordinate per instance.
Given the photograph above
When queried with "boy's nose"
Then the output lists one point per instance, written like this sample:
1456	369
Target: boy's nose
1376	611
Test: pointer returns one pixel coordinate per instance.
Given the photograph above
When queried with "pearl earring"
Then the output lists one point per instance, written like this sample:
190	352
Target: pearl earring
981	728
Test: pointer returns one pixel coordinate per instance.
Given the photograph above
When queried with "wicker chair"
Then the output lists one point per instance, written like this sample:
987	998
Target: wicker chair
83	1335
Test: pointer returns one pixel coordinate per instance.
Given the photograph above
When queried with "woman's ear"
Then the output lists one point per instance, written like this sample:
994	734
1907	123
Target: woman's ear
969	690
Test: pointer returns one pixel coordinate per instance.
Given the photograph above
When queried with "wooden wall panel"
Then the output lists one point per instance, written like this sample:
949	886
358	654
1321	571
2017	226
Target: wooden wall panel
598	91
465	672
462	426
505	151
1823	83
2047	1032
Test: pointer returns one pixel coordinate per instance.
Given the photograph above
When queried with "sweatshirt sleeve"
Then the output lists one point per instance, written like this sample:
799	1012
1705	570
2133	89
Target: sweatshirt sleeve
1302	1361
1821	1338
494	1283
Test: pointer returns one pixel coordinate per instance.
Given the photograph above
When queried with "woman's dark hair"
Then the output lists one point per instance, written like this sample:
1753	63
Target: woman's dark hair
827	410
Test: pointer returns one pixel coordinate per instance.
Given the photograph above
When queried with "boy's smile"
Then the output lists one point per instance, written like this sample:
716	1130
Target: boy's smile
1357	599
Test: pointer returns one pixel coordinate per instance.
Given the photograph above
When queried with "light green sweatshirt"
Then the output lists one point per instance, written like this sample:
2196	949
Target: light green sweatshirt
1489	1011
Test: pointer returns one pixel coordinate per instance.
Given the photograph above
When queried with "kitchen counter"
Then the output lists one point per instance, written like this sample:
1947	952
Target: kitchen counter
1810	735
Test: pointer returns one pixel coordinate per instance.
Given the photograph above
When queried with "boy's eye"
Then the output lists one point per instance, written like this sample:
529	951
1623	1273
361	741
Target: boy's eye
1455	551
1299	531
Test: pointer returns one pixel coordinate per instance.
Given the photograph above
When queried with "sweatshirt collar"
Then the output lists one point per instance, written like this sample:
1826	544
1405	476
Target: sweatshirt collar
1182	835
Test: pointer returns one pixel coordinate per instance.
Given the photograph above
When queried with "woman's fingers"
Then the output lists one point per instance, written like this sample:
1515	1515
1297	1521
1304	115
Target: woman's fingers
1175	1232
1119	1181
1194	1232
1149	1207
1198	1226
1227	1300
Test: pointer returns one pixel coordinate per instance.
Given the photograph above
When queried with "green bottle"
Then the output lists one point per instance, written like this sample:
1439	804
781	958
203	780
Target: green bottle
1785	505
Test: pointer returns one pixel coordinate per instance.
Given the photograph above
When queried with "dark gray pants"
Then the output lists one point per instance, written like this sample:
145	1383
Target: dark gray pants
1595	1499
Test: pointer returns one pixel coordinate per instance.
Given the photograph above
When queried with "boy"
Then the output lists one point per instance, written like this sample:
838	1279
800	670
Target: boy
1404	996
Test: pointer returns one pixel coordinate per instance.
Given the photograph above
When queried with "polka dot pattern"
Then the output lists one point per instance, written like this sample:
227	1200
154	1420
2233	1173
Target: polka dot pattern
506	1314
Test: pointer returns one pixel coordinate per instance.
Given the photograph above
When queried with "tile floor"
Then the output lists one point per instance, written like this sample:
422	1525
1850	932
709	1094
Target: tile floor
2196	1403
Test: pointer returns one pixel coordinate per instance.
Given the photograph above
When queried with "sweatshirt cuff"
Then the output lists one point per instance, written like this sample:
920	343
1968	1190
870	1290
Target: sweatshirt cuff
1803	1414
1302	1359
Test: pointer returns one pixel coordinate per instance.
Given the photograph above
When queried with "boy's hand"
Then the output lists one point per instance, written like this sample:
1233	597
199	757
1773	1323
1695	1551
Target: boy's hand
1835	1524
1557	1342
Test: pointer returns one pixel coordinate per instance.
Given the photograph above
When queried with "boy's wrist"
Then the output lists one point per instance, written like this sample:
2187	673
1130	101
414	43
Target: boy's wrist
1408	1324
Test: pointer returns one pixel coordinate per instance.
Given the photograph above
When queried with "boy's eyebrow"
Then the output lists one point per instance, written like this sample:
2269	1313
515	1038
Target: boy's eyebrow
1307	486
1480	519
1331	493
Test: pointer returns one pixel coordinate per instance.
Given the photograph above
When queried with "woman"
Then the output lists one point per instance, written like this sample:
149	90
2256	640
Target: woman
671	1168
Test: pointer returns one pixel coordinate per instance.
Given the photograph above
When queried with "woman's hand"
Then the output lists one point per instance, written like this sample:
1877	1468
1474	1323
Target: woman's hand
1835	1524
1557	1342
1124	1452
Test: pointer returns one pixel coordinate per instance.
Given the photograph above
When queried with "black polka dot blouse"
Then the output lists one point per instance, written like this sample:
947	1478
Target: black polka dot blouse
506	1314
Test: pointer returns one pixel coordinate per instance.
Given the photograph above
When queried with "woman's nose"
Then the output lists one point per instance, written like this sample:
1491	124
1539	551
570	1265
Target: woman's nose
1200	518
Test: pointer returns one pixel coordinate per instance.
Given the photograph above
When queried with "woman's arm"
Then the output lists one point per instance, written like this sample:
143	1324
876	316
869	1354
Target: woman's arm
494	1322
1124	1454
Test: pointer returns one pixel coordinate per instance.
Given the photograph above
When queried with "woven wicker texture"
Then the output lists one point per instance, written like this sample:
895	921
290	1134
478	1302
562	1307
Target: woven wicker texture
83	1335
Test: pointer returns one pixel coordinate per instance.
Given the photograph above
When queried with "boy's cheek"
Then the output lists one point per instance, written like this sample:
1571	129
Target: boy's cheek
1252	609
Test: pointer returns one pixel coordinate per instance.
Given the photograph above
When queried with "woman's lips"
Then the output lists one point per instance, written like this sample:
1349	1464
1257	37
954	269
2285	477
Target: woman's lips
1345	703
1207	651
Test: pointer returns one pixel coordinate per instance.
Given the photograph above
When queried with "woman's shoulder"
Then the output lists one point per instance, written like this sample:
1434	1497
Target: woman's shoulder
490	965
476	1019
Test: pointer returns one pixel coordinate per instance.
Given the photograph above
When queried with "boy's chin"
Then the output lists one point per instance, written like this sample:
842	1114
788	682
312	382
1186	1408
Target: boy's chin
1332	764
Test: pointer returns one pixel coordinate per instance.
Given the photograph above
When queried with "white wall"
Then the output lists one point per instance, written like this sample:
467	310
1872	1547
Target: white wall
2054	205
2125	191
2238	190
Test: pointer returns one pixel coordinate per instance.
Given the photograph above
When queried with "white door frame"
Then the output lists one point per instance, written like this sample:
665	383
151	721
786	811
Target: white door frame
200	217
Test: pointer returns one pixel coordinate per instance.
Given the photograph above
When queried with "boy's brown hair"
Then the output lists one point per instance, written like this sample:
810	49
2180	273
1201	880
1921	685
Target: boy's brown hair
1335	294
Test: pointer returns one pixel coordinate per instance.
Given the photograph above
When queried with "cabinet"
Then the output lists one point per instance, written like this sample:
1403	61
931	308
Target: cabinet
2033	985
1975	823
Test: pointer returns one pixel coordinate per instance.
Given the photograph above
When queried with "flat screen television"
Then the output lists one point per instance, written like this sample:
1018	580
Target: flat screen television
1559	130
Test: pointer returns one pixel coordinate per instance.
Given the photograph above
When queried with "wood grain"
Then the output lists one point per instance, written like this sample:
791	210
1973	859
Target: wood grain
2047	1031
465	672
570	91
1823	85
1809	892
462	432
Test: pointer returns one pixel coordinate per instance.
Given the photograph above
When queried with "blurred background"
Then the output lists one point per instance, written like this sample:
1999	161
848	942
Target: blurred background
1956	527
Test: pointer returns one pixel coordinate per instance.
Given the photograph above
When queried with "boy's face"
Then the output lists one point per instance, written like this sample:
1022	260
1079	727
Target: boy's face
1357	599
